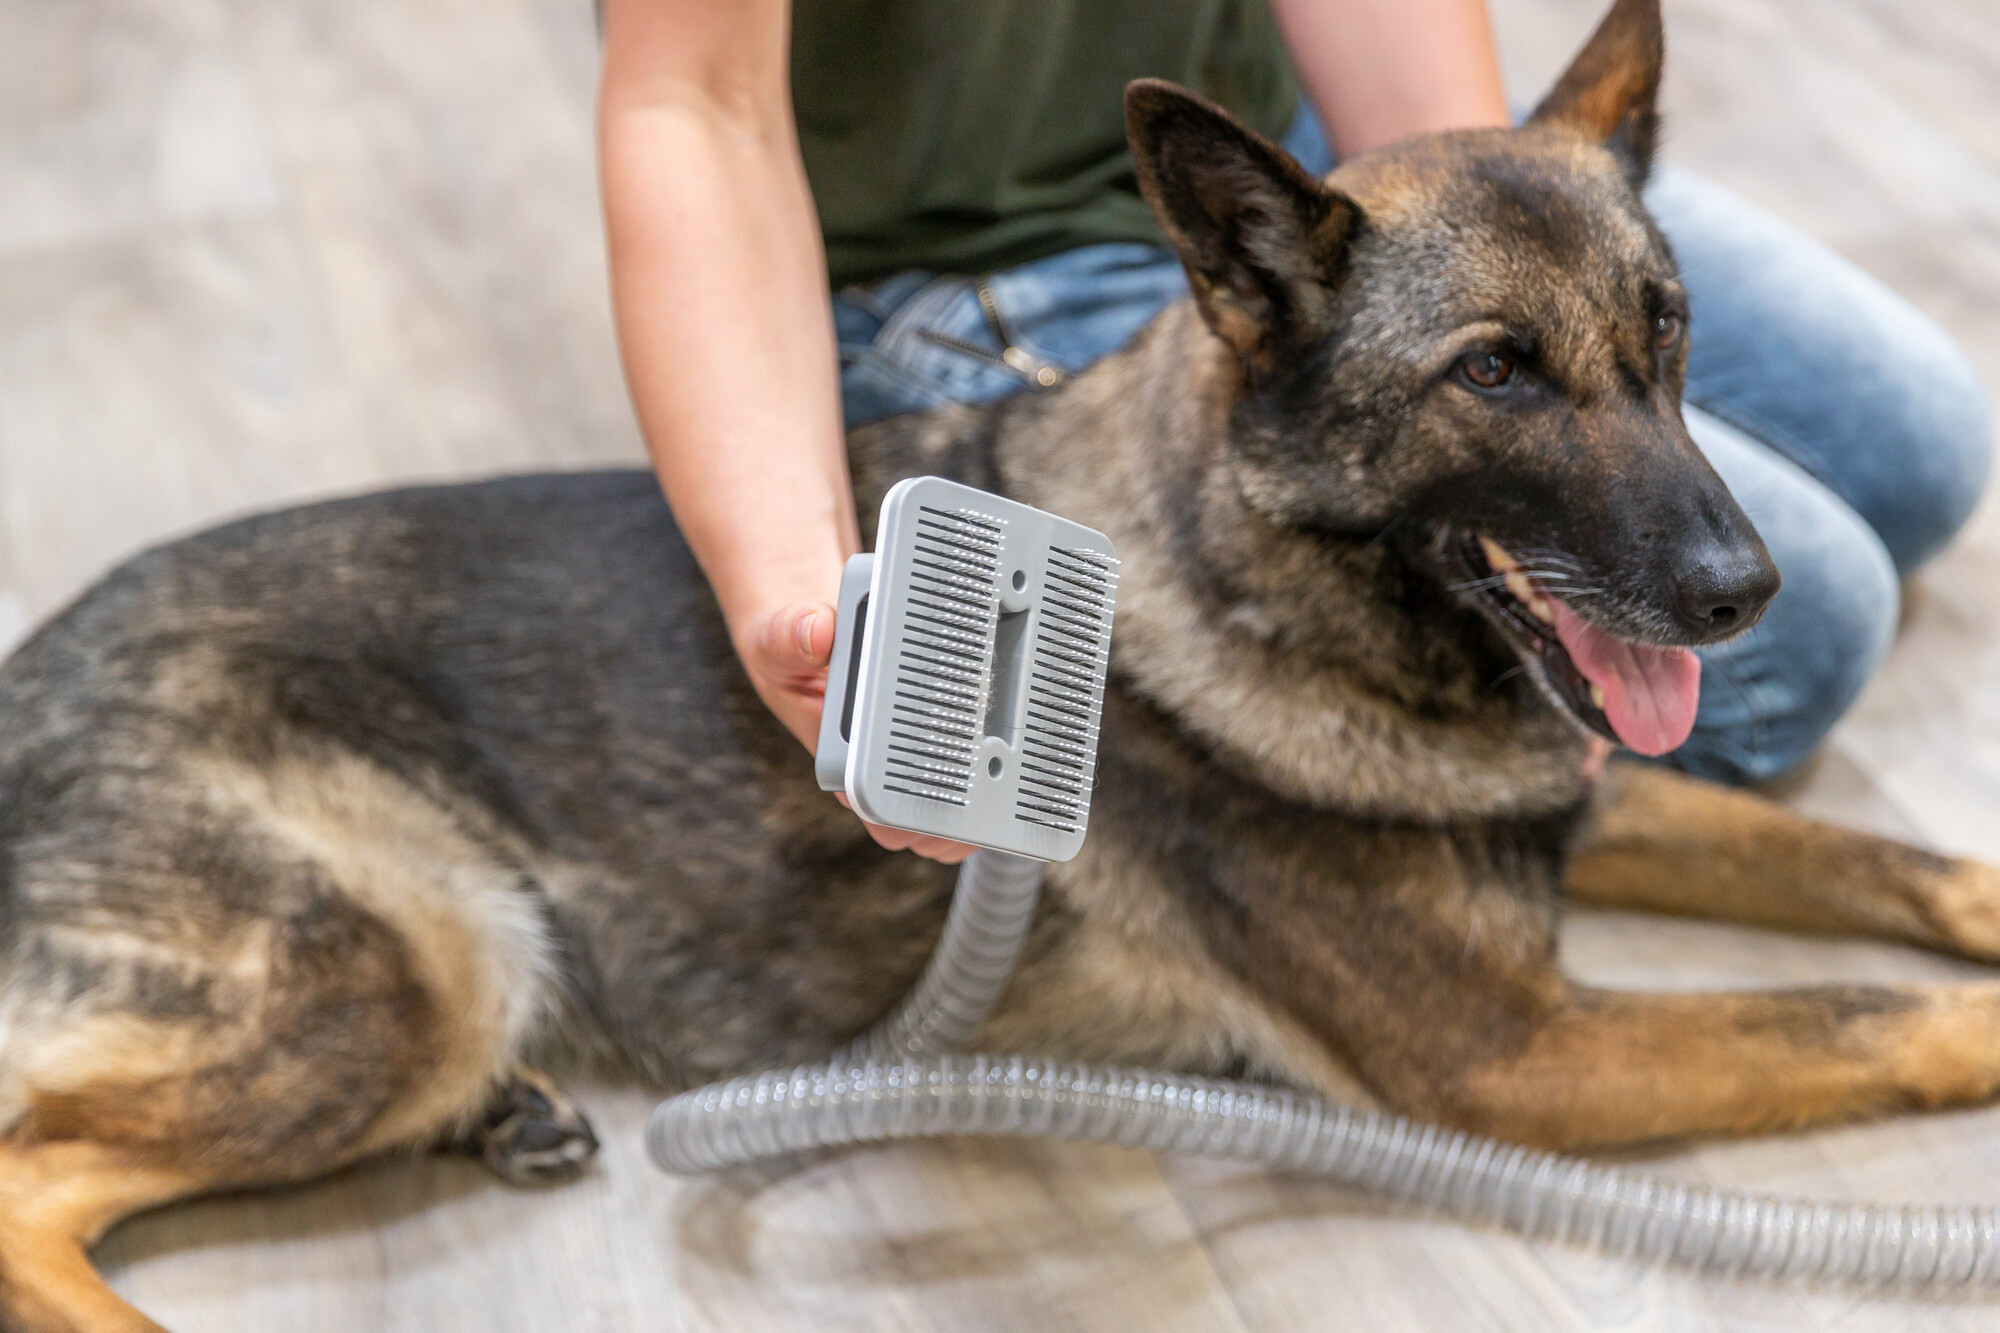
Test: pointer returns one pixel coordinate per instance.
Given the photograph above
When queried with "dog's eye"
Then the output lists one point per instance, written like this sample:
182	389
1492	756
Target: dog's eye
1488	370
1667	330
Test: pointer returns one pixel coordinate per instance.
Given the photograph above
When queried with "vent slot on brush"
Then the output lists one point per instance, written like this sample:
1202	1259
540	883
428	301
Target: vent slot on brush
1059	730
938	713
1010	659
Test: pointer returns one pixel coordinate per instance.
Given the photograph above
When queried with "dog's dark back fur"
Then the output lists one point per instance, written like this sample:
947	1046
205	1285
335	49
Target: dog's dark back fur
541	657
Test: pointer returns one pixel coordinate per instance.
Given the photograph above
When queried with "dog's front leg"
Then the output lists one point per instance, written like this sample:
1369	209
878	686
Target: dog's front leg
1606	1068
1437	978
1662	842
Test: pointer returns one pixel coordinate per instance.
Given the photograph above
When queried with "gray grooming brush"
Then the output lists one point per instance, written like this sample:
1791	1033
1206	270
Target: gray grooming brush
968	671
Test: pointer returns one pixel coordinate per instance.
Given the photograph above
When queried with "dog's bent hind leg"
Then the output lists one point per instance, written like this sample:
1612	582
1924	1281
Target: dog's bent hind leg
1663	842
55	1201
327	967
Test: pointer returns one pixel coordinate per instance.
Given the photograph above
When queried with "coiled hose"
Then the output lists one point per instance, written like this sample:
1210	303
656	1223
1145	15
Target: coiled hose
902	1081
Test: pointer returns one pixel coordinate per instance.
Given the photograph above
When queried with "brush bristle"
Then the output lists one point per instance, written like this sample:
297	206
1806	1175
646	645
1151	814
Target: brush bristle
943	662
1059	730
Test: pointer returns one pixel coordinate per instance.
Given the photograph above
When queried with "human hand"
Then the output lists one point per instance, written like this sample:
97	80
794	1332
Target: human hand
786	652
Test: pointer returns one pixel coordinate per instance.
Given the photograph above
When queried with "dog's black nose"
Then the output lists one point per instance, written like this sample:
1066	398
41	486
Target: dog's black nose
1719	589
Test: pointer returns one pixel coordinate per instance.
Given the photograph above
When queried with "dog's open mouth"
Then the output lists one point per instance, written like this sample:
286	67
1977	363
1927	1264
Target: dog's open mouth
1641	695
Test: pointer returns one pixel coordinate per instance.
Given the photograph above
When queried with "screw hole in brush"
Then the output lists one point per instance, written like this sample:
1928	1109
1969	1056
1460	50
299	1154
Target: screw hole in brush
993	767
1020	579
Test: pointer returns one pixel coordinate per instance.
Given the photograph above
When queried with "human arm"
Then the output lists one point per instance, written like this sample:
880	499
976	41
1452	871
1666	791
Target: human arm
719	286
1382	70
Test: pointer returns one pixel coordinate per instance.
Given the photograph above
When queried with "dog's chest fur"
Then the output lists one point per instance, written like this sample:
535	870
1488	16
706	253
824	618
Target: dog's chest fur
1297	732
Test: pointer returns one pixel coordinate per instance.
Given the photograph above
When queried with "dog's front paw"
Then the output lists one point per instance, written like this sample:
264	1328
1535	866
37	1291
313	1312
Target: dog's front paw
533	1135
1966	908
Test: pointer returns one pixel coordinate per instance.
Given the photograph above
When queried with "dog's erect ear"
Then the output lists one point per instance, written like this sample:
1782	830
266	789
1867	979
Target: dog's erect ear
1611	90
1264	243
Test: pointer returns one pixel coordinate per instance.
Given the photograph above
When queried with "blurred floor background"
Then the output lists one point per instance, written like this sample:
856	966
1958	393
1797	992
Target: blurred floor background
254	251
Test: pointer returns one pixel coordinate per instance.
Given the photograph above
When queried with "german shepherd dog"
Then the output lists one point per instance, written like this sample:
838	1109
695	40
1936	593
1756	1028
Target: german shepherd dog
320	830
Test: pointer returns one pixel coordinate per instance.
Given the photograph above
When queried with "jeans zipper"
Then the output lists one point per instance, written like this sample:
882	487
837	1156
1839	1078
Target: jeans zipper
1035	372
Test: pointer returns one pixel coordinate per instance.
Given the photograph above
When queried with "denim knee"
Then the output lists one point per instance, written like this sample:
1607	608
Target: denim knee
1824	364
1942	435
1769	698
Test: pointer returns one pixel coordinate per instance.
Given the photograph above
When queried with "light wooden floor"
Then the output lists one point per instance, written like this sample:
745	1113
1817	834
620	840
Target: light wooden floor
258	250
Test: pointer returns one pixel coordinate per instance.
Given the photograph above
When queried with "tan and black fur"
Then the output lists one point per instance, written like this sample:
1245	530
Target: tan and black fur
320	831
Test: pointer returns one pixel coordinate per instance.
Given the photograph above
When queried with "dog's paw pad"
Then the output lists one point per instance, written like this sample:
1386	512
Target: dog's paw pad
533	1135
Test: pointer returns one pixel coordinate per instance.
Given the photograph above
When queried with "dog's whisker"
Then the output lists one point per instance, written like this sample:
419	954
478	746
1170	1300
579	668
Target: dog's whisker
1560	584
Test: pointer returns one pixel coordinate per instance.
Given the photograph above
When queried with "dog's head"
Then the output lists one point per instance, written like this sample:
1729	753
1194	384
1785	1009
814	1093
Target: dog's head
1472	345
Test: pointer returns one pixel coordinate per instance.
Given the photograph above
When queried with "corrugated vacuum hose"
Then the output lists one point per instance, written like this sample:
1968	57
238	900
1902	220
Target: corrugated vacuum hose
888	1086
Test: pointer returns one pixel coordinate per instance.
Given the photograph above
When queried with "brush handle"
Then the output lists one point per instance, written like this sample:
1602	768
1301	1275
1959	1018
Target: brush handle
850	622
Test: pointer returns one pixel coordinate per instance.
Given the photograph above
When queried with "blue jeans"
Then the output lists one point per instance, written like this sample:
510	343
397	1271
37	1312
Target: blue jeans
1850	428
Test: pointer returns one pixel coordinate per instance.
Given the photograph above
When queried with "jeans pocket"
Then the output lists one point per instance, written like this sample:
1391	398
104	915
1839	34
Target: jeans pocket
938	343
871	388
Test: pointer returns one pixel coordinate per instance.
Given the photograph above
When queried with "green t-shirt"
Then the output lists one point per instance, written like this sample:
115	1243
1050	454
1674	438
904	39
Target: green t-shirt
969	135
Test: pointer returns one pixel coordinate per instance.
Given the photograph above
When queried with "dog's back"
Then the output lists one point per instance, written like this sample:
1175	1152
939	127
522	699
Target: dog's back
314	824
535	663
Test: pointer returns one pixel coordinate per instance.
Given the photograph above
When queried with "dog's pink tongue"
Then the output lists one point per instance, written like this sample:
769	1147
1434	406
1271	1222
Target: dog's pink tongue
1649	693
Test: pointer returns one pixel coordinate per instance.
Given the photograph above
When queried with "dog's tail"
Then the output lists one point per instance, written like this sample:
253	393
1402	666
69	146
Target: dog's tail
56	1199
